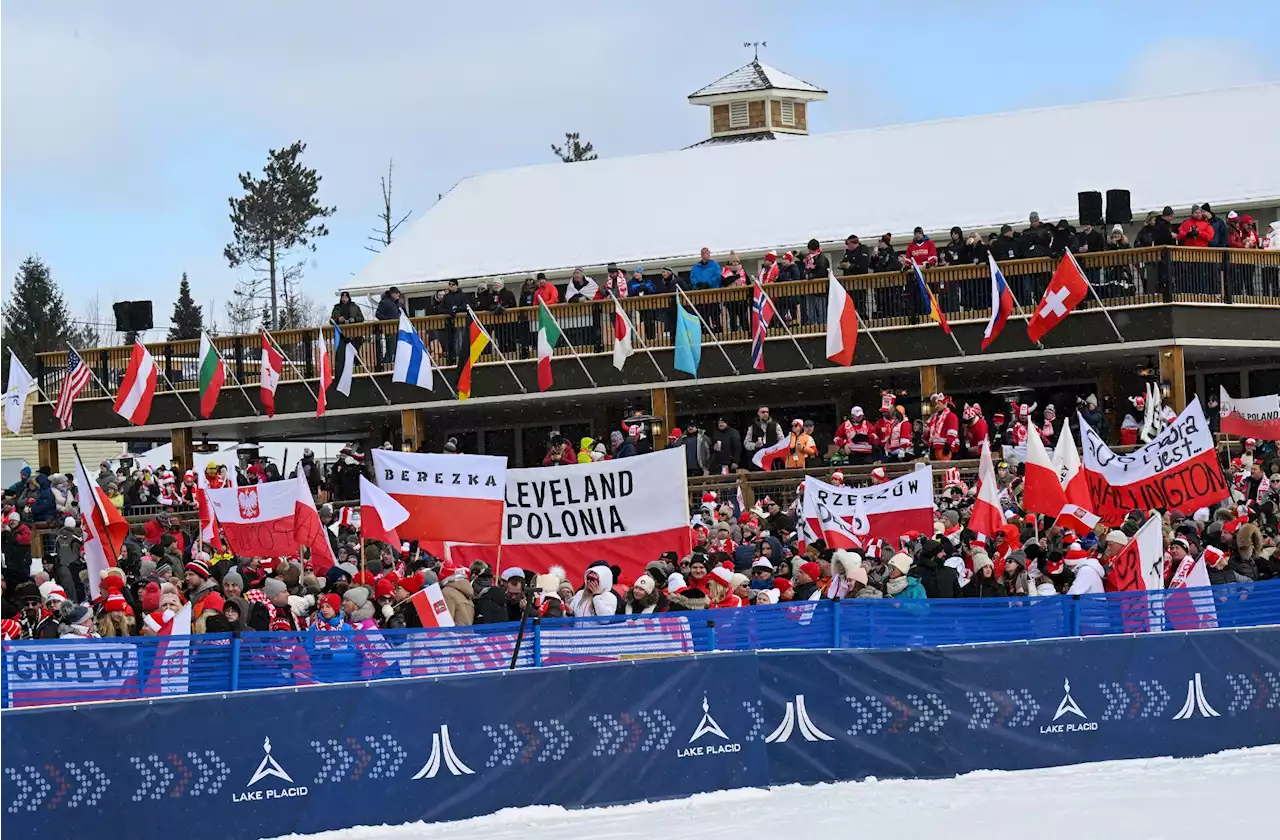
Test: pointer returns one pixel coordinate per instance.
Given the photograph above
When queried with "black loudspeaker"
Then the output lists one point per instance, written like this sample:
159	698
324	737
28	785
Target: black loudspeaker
133	315
1090	207
1118	212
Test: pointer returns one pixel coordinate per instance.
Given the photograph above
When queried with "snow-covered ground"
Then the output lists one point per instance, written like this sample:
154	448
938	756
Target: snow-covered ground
1225	795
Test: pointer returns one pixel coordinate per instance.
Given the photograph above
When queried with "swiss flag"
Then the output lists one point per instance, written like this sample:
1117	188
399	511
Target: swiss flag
1041	491
1067	288
380	514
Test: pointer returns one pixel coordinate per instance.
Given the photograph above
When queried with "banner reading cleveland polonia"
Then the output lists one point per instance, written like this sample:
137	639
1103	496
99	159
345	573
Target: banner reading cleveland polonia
1177	470
891	509
627	511
1254	417
449	497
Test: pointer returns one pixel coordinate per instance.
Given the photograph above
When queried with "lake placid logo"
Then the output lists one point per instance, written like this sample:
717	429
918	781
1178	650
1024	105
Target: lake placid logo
796	714
268	767
1196	702
707	727
1068	707
442	748
248	499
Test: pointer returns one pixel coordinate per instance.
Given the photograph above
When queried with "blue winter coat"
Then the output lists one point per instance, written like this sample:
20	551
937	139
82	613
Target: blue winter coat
914	590
705	276
1219	233
643	286
44	508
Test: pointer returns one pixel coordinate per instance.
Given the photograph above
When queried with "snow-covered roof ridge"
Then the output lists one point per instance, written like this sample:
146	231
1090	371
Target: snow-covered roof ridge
549	217
755	75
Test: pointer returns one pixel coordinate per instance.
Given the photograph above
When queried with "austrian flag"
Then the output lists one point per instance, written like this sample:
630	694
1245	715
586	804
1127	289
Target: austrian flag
133	402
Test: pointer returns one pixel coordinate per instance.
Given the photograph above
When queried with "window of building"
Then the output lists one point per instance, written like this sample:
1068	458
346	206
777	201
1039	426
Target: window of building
788	112
738	115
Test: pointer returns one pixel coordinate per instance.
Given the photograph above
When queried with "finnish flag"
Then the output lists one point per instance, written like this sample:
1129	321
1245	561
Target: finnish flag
413	364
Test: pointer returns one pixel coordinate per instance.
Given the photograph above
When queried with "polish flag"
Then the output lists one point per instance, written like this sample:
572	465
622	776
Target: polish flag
1140	564
842	323
272	520
1077	513
133	402
986	519
105	530
272	366
325	369
1041	491
380	514
431	607
770	455
1066	290
454	498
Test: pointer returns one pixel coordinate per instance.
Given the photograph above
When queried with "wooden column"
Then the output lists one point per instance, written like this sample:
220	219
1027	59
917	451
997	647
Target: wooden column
931	382
663	406
1173	372
413	428
181	439
47	453
1111	401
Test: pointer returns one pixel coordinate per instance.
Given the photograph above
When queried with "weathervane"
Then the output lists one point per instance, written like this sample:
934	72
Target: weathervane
755	46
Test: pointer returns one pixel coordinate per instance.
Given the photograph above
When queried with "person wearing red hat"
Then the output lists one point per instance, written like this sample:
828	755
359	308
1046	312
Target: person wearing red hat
943	428
719	583
769	270
807	582
210	605
117	617
200	584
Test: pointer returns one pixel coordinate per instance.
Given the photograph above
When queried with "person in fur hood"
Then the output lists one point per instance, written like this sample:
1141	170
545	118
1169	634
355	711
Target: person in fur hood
1245	554
644	596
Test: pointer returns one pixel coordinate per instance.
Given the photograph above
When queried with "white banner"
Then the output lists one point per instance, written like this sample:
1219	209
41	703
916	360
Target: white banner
1256	417
890	509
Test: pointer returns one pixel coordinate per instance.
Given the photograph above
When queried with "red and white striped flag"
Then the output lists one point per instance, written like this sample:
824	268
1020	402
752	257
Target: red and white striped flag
1077	512
133	402
1041	491
431	607
104	528
380	514
770	455
272	366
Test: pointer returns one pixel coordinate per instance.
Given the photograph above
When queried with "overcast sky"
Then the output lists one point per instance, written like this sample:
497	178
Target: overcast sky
124	124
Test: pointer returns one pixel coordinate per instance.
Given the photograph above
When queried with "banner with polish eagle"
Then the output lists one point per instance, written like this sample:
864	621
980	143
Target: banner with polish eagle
1252	417
882	512
272	520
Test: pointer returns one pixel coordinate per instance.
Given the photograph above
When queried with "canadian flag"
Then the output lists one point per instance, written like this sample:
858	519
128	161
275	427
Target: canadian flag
985	518
380	514
842	323
1067	288
431	607
1077	511
133	402
1041	491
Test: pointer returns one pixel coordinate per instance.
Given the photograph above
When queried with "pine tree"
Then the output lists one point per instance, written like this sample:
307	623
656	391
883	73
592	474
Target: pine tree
573	150
35	315
187	318
277	214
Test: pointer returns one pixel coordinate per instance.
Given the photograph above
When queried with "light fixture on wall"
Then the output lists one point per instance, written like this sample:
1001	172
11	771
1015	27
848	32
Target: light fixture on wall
653	423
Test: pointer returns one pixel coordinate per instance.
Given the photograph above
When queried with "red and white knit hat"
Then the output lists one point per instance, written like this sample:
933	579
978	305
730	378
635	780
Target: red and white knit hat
723	575
879	476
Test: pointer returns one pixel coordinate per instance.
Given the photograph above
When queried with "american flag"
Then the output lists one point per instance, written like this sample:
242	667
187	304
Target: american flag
74	379
762	313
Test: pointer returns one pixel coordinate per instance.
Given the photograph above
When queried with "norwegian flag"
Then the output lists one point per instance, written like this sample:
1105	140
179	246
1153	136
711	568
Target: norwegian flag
762	314
74	380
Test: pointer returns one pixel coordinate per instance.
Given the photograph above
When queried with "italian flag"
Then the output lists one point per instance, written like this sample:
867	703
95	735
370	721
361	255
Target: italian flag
212	375
549	335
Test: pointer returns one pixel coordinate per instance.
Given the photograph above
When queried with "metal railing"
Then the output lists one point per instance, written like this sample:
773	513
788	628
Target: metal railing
43	672
1133	277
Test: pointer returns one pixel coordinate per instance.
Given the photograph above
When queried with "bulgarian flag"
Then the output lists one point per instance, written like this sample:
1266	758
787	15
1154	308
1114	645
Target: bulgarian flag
212	374
549	335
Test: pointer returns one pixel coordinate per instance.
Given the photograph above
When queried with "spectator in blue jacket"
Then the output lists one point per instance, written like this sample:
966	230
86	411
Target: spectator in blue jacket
43	506
1219	227
705	273
640	285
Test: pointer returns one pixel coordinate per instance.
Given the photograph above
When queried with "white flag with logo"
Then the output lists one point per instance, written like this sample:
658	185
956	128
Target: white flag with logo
15	396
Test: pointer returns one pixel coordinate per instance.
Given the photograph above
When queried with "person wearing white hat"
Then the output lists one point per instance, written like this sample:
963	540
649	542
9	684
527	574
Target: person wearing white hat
899	584
1089	572
720	585
644	596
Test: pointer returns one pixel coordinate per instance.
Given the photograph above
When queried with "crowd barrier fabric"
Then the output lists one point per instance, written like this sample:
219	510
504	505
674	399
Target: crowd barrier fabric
43	672
266	763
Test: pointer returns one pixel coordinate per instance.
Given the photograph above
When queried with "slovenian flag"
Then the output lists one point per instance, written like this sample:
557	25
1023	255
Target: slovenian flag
926	295
1001	303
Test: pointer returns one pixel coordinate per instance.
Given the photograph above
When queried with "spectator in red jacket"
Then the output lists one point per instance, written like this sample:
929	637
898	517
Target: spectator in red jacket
1195	232
546	292
920	250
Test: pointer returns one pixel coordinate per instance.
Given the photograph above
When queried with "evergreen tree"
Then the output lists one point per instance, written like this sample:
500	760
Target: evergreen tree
187	318
573	149
35	315
277	214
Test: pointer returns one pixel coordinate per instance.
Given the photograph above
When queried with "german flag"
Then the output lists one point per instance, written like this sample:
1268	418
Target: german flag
478	341
931	303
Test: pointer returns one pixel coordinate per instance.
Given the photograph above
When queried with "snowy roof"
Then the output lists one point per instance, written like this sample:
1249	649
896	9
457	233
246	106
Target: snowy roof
755	76
976	172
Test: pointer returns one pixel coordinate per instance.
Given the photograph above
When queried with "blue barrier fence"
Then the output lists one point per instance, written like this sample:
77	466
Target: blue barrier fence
268	763
45	672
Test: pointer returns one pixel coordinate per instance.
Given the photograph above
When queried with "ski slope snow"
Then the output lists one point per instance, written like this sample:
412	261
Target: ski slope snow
1223	795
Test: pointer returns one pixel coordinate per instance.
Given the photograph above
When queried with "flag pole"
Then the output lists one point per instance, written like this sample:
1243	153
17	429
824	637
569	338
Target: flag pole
783	322
870	332
635	334
494	345
34	381
1094	291
227	368
359	361
732	366
572	349
292	366
174	390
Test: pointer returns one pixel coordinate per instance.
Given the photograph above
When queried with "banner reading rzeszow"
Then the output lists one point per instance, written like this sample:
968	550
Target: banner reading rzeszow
1254	417
627	512
1178	469
891	509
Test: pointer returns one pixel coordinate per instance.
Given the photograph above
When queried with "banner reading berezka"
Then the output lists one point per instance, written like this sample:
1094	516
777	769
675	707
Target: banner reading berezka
627	512
891	509
1177	470
449	497
1252	417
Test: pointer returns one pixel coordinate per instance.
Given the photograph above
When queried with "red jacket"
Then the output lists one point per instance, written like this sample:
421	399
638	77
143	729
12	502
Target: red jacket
923	252
848	432
547	293
975	434
1195	234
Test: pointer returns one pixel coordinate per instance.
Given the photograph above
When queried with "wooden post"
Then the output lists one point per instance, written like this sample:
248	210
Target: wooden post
413	428
47	453
930	384
1173	372
1110	401
663	406
181	439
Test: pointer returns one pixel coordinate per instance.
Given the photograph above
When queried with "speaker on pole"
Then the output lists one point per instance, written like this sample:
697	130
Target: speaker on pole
133	316
1118	210
1090	203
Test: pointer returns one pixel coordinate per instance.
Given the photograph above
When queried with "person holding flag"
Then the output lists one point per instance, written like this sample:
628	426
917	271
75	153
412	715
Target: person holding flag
105	529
